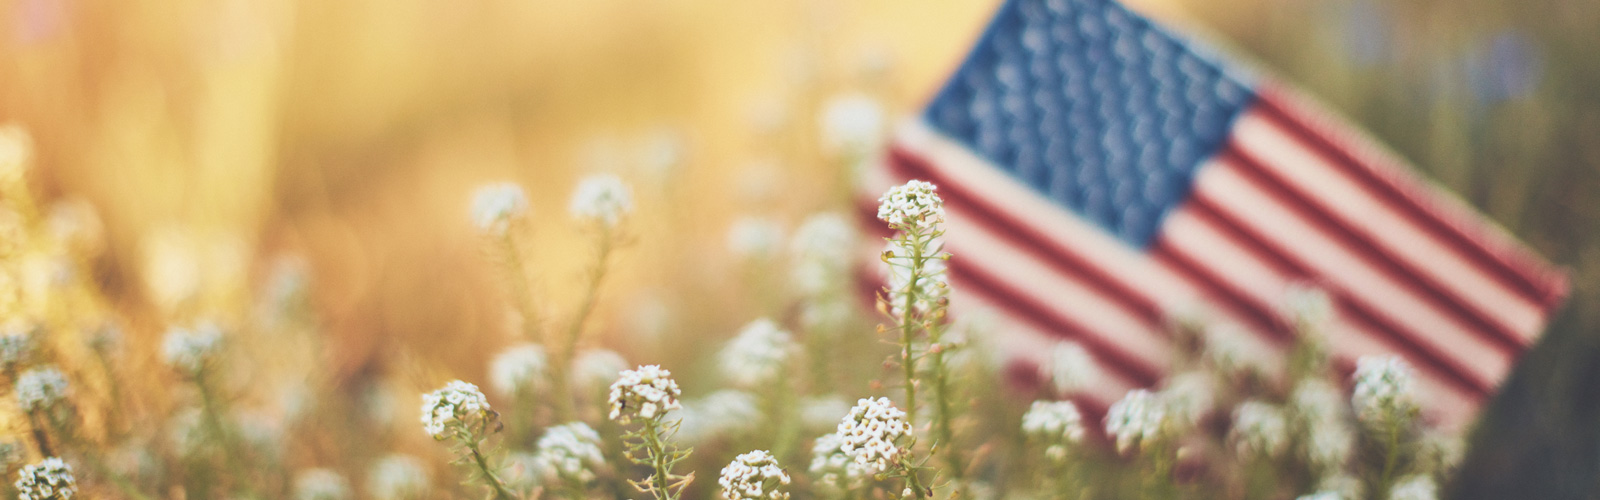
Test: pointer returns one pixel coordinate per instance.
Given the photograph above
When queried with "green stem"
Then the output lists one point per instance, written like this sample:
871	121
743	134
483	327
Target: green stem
1391	460
659	461
500	490
569	345
523	296
213	421
943	417
912	243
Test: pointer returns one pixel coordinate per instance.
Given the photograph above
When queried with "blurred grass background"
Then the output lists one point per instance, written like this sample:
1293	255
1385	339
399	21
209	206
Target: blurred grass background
353	132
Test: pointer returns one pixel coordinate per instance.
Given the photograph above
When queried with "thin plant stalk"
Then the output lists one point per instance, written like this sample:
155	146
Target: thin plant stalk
569	344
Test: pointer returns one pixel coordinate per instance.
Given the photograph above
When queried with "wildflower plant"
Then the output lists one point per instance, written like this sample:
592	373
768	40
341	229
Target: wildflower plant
460	414
600	203
646	394
915	300
1385	402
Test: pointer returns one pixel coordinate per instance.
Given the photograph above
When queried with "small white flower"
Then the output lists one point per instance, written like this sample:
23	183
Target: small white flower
1441	452
1322	495
832	467
1057	424
1345	485
1316	398
725	412
757	354
1418	487
1072	368
602	199
1330	444
646	392
911	205
495	207
755	238
1189	397
827	236
595	369
1234	352
518	368
1308	306
453	405
852	124
1259	429
872	432
1385	389
191	351
41	389
754	476
568	453
1140	418
16	346
50	479
398	477
320	484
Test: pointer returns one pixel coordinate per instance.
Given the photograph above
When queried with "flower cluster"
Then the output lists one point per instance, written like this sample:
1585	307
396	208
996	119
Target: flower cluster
398	477
852	123
1188	398
911	206
755	238
646	392
1139	419
1071	367
41	388
1233	352
602	199
567	453
1417	487
1259	429
1057	424
871	434
595	369
320	484
757	354
753	476
50	479
517	369
727	411
15	348
456	405
1385	390
1319	408
832	467
497	206
192	351
822	250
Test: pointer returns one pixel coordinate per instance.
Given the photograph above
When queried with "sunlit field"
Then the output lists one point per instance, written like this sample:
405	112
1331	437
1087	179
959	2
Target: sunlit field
527	250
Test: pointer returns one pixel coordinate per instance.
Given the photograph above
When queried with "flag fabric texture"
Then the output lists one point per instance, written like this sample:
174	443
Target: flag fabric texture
1102	174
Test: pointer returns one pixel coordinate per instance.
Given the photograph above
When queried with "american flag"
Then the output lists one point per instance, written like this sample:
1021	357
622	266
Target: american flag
1102	173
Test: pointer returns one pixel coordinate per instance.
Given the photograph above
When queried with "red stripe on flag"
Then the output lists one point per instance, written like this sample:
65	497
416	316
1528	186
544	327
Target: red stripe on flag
1231	297
1407	276
1518	274
1265	251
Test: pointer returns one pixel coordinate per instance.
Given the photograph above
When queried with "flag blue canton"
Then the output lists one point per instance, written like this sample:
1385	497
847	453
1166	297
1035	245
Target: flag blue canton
1094	107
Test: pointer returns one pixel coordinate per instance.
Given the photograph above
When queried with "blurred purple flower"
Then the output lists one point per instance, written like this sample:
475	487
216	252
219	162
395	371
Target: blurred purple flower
39	20
1509	67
